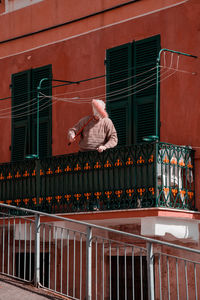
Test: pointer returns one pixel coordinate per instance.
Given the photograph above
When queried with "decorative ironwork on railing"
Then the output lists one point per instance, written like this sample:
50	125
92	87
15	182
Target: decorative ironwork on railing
145	175
175	176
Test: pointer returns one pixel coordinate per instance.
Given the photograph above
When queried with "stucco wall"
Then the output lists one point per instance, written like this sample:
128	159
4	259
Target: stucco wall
77	51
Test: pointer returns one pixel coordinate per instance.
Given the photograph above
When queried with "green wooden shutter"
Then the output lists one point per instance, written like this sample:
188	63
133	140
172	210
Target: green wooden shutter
145	56
118	113
45	129
118	80
145	117
21	106
19	141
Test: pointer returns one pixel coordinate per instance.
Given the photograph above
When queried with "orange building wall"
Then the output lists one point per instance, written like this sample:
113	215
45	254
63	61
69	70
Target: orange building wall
77	51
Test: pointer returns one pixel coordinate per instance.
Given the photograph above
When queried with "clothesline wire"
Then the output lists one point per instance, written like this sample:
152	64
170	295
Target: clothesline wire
126	79
88	100
26	106
108	84
17	109
74	82
108	94
20	106
119	91
31	112
93	78
73	101
94	87
155	67
43	106
116	99
179	70
114	93
124	89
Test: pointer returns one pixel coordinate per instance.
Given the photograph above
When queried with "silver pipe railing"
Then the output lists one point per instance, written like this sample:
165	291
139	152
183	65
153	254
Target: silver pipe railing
37	250
83	265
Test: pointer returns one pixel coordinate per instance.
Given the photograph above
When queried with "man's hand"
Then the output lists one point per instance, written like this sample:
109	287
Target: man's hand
71	137
101	148
71	140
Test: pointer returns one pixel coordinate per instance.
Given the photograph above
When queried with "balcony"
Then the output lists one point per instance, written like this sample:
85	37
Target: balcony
128	177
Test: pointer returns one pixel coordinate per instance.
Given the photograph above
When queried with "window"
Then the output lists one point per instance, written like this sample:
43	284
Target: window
131	89
24	113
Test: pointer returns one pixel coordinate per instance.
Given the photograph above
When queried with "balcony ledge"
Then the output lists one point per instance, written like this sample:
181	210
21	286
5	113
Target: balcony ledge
128	216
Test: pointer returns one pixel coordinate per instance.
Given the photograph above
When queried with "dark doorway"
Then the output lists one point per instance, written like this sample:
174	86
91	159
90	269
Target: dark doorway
28	273
139	270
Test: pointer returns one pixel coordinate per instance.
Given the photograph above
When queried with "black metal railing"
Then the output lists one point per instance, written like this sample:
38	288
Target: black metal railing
145	175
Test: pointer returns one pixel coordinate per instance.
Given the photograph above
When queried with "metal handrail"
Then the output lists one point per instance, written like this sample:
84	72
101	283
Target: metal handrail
150	240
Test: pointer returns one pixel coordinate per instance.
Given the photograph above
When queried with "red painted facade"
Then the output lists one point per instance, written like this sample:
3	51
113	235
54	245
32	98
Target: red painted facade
73	38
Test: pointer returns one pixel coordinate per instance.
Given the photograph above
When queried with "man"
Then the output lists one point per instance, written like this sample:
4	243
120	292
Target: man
96	132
